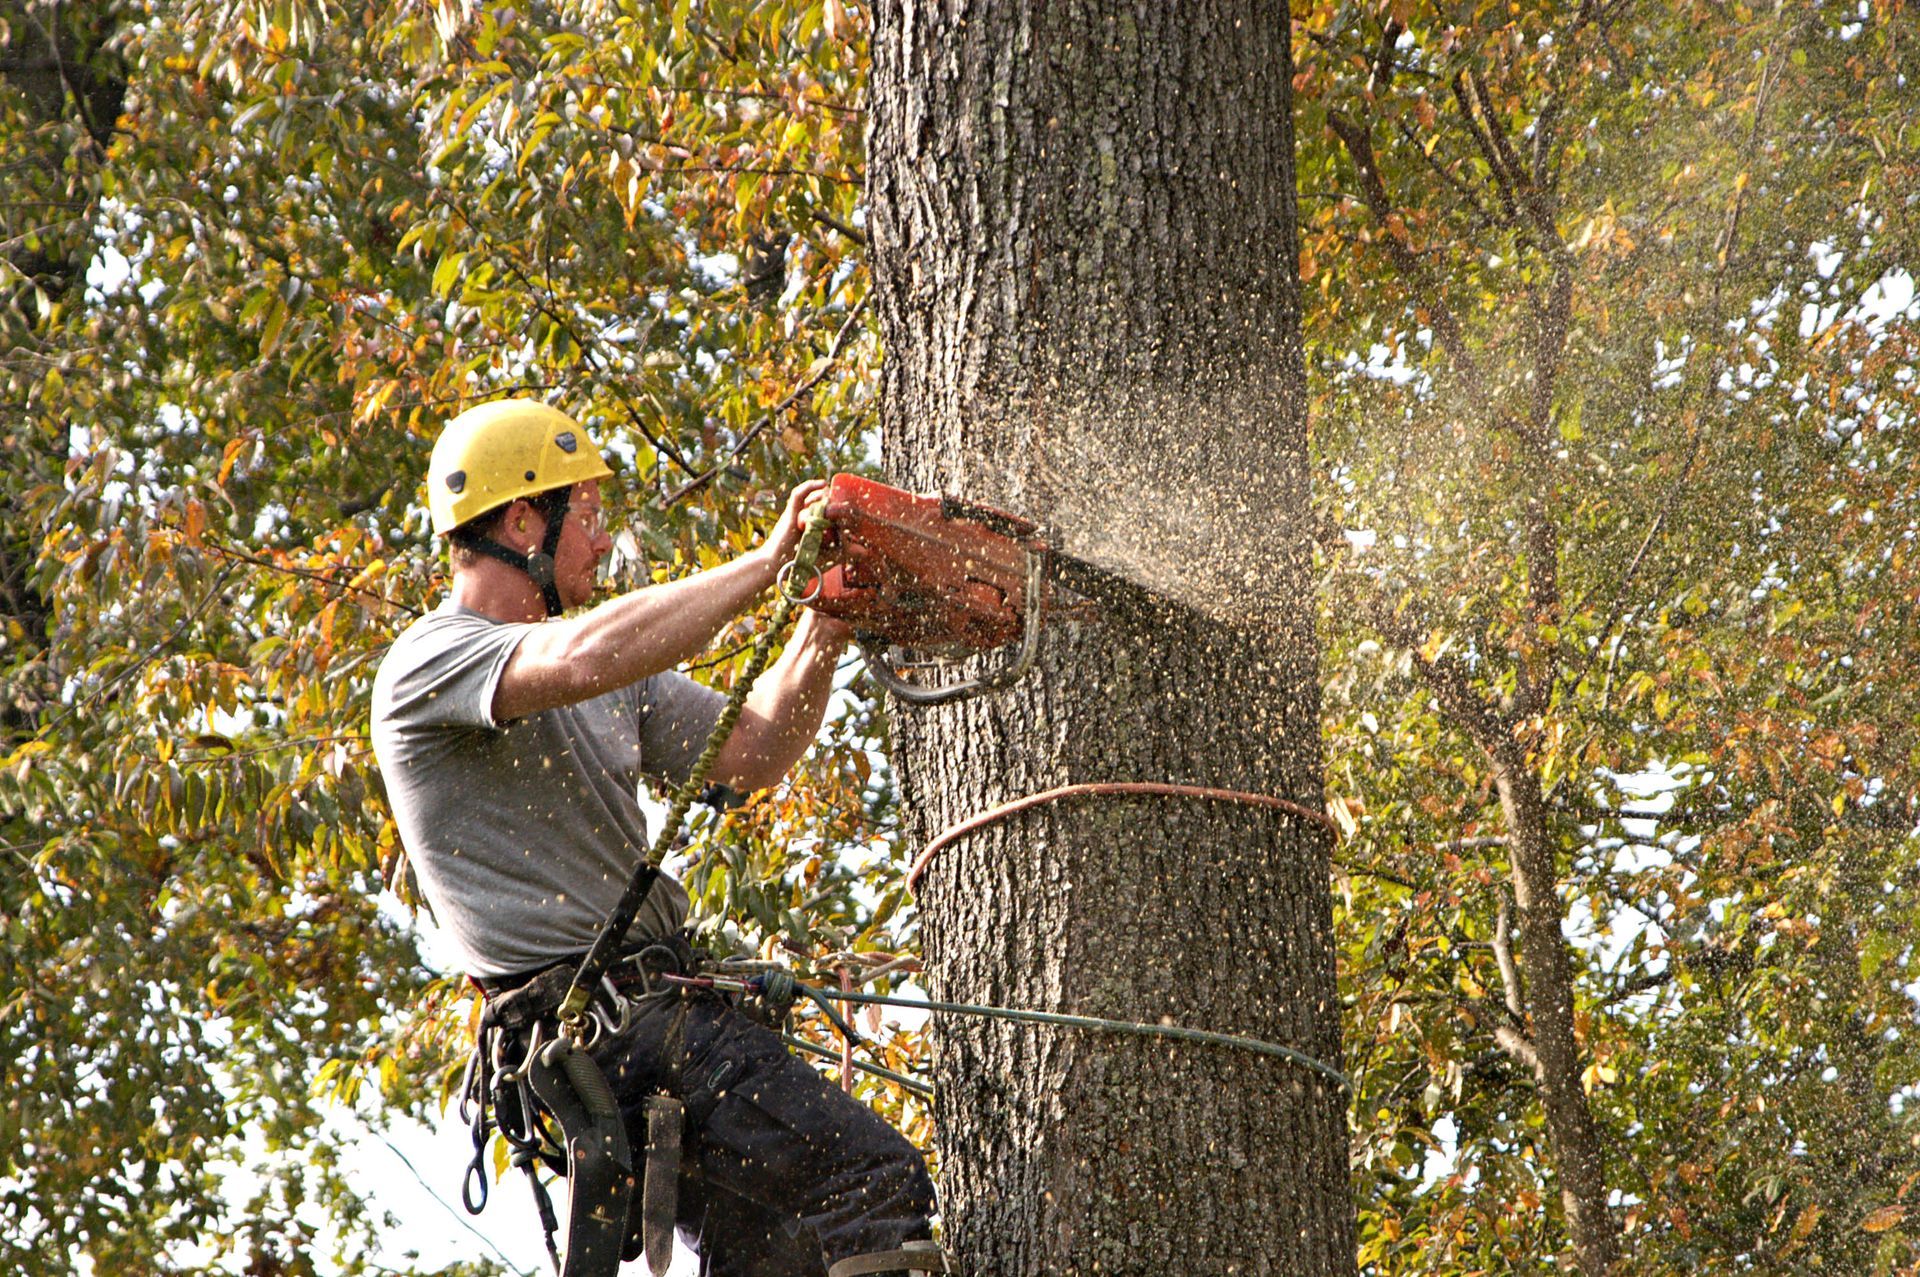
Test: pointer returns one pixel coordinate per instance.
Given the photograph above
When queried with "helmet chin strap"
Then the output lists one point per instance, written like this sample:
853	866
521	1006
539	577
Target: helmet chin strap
538	565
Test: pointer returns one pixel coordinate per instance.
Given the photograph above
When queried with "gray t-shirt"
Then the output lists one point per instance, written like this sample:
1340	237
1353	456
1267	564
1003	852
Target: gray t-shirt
523	834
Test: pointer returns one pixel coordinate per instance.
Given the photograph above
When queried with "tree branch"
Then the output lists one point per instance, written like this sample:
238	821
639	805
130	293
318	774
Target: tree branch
829	220
772	414
1449	681
1446	328
1503	955
1521	1048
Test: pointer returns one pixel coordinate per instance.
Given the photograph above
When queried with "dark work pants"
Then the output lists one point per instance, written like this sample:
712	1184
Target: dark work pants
781	1173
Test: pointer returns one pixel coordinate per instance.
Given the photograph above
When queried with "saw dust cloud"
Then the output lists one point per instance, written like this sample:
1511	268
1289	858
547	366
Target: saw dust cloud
1196	494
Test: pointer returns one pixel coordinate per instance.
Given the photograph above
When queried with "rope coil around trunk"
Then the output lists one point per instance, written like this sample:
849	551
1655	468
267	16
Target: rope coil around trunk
1108	789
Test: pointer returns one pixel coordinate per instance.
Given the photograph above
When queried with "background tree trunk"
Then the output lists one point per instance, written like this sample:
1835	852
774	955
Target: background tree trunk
1085	262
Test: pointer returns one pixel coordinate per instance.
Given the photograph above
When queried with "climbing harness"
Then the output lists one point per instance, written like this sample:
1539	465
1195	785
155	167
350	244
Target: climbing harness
554	1108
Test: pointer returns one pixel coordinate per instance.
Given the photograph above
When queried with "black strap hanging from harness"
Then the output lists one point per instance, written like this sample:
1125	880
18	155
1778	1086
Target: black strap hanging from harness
552	505
556	1108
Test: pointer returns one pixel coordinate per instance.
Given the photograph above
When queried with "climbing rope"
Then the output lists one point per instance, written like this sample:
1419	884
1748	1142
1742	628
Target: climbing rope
1107	789
774	984
573	1008
901	1080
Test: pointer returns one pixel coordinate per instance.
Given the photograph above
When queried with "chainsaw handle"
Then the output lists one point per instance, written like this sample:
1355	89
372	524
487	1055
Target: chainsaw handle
874	650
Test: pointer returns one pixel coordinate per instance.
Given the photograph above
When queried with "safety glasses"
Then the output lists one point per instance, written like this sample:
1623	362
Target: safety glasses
593	520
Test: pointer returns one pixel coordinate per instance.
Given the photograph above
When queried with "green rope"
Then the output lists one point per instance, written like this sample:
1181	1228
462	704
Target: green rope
913	1084
1173	1031
801	568
574	1006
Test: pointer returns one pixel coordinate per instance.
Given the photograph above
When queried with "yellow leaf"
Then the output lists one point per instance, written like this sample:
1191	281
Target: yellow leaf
276	323
1883	1219
1343	817
228	456
368	575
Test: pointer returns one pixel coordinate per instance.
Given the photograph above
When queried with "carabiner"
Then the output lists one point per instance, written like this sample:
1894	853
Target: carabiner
608	1025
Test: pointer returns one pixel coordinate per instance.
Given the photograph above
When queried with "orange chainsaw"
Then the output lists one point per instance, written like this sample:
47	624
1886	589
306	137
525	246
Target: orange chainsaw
942	578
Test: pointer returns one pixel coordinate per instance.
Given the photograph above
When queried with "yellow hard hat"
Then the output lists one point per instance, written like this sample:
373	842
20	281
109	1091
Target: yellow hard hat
501	451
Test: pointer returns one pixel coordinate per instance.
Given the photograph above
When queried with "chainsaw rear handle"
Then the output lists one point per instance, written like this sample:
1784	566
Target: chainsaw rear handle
874	649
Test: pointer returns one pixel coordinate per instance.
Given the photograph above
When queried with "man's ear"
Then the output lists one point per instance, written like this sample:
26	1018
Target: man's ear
514	527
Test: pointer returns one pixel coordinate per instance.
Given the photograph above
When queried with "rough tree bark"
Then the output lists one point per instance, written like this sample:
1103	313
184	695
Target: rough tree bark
1084	252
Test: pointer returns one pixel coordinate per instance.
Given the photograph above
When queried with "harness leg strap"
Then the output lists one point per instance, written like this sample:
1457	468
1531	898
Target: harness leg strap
599	1164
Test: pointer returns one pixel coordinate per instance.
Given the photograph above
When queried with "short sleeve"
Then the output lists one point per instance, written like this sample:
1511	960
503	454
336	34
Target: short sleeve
676	717
444	671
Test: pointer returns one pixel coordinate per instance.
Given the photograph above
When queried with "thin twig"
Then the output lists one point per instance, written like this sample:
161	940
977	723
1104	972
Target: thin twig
740	445
228	552
827	219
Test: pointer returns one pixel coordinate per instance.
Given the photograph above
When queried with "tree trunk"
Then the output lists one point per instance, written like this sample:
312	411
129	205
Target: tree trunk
1573	1136
1084	255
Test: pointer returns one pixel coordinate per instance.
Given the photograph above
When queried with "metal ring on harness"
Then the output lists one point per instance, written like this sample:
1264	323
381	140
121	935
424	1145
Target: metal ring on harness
603	1020
472	1082
784	579
519	1075
582	1030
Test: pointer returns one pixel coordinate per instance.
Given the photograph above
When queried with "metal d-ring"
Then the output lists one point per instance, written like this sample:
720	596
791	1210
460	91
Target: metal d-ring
583	1032
785	578
515	1076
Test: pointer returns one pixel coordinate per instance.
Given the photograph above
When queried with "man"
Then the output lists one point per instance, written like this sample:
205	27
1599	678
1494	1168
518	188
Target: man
513	738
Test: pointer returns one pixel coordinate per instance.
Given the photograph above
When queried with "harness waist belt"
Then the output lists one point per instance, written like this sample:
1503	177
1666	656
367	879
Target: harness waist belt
518	1000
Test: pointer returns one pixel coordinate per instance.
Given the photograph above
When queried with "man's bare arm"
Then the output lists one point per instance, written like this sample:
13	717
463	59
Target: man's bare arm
785	708
645	632
626	639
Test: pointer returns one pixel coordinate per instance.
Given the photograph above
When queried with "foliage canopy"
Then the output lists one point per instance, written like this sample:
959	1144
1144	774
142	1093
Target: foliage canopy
1596	388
